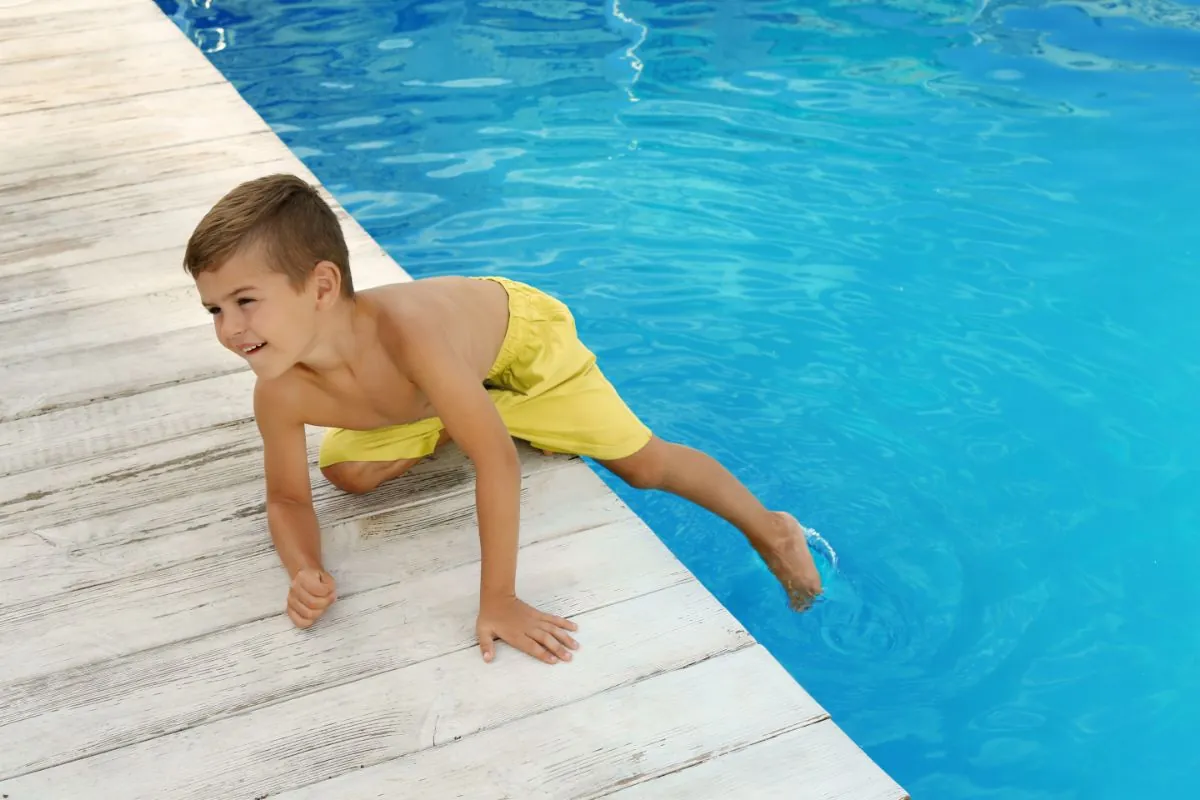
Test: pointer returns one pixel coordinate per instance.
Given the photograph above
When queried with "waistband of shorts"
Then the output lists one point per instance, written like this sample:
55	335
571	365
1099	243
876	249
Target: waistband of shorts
522	301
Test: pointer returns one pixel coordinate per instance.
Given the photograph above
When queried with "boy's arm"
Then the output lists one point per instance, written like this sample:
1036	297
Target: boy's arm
475	426
290	514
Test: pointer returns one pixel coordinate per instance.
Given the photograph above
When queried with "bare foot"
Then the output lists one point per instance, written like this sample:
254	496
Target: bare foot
788	557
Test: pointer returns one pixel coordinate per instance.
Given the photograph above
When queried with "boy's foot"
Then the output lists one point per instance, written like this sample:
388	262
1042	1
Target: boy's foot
788	557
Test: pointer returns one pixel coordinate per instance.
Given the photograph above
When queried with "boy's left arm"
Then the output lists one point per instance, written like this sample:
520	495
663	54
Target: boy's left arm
473	423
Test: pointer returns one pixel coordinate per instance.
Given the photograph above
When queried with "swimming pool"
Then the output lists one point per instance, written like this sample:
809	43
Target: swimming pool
921	273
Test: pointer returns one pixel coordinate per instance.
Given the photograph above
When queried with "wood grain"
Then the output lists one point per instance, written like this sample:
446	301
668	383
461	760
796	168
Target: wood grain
102	75
28	294
817	762
114	205
122	126
186	164
91	330
131	699
124	423
106	544
616	738
30	18
86	31
240	581
312	737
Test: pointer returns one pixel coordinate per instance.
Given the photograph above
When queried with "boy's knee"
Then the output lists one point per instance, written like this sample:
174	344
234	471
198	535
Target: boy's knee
646	469
350	476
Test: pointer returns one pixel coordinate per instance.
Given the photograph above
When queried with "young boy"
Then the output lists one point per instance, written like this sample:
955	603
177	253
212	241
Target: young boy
395	371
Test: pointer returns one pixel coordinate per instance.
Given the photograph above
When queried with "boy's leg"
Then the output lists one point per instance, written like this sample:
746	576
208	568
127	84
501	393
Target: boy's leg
698	477
360	477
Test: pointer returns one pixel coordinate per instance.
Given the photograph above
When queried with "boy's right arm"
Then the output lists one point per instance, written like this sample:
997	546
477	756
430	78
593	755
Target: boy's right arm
291	518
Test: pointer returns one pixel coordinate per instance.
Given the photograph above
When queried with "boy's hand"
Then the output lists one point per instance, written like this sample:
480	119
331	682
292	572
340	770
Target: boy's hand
312	592
542	636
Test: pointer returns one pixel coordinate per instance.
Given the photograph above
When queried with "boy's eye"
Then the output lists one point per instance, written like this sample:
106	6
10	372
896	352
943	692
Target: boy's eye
214	310
243	300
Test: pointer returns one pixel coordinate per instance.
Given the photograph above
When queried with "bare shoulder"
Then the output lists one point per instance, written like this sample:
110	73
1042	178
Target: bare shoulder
439	305
278	403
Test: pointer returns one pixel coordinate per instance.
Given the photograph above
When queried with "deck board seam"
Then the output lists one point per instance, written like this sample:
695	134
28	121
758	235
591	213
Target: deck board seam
294	693
109	100
124	394
703	758
266	156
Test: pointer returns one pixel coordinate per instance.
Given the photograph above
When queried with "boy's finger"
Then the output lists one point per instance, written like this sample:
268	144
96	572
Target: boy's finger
546	638
306	612
315	600
534	648
315	583
487	646
562	636
560	622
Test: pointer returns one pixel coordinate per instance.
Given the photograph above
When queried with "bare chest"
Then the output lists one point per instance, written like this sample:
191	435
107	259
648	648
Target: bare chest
384	398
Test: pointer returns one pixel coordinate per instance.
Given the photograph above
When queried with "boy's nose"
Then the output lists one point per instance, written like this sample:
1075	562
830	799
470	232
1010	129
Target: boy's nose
231	326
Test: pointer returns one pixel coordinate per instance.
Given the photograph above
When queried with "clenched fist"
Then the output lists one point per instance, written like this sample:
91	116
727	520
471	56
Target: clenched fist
312	592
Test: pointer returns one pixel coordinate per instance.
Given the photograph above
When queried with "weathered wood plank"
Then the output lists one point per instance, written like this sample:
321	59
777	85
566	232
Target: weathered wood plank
121	542
191	162
317	736
128	422
818	762
29	17
101	707
60	290
102	75
149	234
164	327
59	493
32	221
616	738
88	31
245	582
119	127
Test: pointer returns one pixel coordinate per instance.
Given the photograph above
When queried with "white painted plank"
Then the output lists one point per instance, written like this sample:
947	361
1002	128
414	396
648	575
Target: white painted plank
629	734
118	544
110	331
192	162
85	32
123	126
146	236
123	423
318	736
32	17
31	221
240	585
60	290
102	75
74	714
51	495
818	762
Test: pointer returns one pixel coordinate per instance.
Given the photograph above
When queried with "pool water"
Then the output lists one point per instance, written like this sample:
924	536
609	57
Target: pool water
922	273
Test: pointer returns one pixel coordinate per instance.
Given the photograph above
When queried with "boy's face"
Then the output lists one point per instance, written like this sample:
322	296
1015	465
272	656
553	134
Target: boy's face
258	314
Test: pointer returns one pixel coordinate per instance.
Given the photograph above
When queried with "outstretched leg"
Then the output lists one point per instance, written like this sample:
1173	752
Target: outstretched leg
698	477
360	477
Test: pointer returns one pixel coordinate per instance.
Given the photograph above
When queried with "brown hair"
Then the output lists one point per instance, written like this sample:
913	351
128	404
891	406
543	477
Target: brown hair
284	214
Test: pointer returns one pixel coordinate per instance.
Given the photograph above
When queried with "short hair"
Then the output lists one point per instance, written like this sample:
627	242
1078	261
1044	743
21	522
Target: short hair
286	216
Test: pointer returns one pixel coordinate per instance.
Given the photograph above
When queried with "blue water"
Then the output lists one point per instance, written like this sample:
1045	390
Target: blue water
923	273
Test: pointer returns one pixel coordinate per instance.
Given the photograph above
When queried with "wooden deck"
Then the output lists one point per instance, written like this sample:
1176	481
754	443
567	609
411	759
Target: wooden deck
144	649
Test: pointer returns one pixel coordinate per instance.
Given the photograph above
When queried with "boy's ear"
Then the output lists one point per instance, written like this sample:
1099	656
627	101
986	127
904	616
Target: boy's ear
327	280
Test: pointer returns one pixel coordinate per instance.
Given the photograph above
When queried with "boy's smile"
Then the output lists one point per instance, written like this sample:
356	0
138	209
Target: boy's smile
257	313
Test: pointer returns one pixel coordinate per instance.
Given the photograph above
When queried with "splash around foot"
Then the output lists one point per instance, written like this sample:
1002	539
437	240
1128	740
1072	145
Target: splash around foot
791	561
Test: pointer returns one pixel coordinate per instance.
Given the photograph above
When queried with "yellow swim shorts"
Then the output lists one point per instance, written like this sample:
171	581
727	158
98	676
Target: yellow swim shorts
545	383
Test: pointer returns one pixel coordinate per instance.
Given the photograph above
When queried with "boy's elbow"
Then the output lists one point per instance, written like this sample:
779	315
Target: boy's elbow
501	455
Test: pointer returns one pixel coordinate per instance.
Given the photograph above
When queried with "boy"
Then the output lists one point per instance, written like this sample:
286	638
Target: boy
395	371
